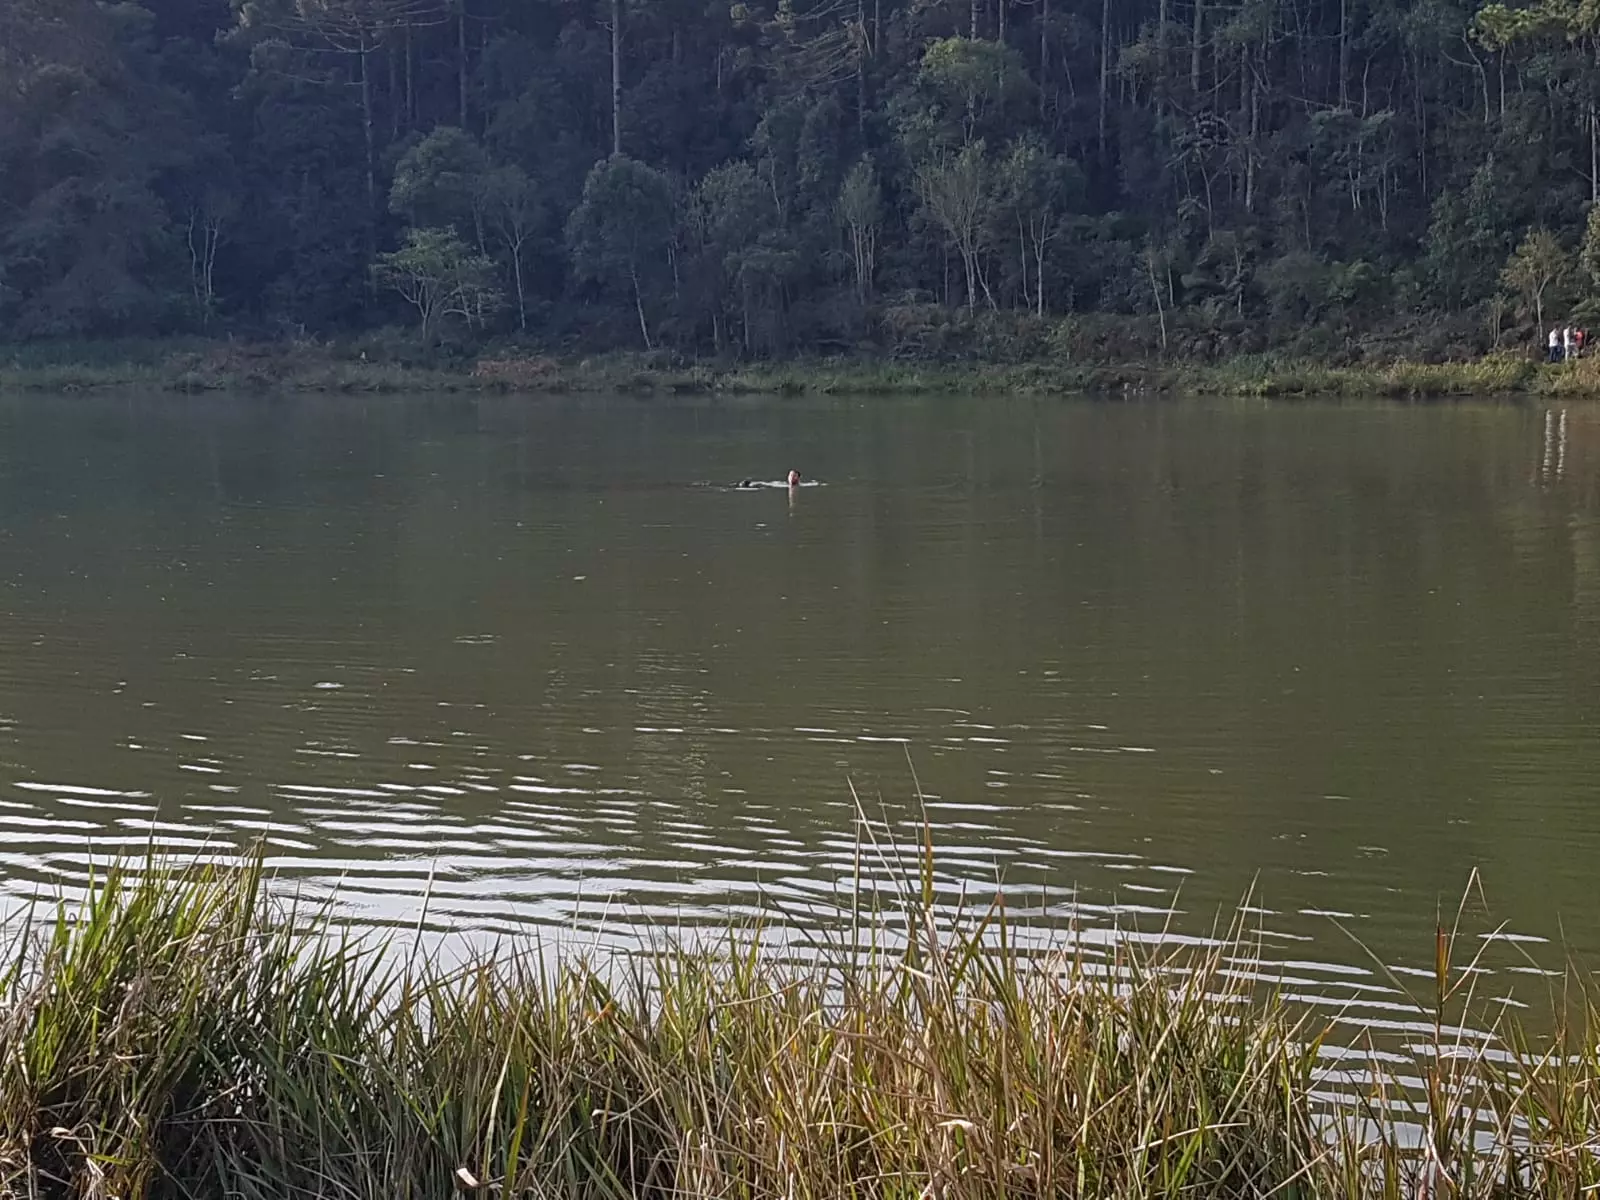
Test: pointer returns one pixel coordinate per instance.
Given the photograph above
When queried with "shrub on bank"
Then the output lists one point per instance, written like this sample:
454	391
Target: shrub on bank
1574	380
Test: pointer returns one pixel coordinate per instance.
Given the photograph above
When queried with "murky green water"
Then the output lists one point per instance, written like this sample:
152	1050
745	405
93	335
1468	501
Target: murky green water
1140	656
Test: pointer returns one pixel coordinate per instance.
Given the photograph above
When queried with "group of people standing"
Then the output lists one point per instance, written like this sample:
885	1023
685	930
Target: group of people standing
1567	343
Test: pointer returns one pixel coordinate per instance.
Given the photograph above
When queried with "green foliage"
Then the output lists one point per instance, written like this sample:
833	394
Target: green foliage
860	211
964	92
1035	189
87	133
1589	250
512	209
1469	233
439	276
240	167
1499	27
956	190
441	182
728	215
621	230
1535	272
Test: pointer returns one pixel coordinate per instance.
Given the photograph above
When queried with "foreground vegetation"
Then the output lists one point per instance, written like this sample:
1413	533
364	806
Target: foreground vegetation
179	1034
312	367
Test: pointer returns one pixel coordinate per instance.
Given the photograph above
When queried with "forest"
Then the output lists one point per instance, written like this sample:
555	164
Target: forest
763	178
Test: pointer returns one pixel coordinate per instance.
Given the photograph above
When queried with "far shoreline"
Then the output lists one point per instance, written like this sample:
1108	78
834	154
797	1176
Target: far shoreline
331	368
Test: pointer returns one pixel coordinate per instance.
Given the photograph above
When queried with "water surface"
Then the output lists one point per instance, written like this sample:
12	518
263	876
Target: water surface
1141	657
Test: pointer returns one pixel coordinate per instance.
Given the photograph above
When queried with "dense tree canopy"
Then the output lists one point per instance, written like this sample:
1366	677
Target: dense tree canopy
764	176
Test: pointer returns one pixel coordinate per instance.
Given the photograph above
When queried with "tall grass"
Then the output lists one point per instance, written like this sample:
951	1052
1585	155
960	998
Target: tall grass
179	1033
190	365
1270	376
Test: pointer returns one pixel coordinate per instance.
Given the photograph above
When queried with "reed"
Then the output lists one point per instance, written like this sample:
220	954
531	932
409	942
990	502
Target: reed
178	1032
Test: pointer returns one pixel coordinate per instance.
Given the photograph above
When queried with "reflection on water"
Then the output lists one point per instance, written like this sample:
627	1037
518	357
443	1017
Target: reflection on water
1141	660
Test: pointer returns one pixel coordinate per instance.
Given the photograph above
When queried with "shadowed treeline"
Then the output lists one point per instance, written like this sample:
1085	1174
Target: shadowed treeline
1194	179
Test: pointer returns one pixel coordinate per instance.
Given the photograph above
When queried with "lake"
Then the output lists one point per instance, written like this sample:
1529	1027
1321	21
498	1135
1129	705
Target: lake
1144	660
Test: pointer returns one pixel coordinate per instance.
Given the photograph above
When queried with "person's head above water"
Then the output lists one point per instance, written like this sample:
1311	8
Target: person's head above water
794	477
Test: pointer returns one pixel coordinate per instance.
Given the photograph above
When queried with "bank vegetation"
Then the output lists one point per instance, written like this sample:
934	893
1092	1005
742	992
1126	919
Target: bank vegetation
181	1033
1017	362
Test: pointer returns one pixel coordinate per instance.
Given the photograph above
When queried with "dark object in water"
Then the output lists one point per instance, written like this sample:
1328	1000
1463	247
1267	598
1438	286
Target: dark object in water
755	485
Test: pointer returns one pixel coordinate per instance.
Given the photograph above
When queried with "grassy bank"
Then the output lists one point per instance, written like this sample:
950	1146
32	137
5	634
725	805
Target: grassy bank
198	367
174	1036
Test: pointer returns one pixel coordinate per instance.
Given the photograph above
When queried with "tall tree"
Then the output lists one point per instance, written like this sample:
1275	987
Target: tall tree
439	276
513	210
861	213
621	231
354	30
955	194
1538	265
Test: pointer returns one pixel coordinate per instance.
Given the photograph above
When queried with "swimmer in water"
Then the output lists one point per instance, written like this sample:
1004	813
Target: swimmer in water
794	478
745	483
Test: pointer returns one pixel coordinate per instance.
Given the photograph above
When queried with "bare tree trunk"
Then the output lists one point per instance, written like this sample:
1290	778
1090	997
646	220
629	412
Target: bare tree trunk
1195	47
1244	83
862	254
522	301
863	53
1038	278
1250	145
394	94
204	235
1422	131
371	140
1161	56
1105	68
616	94
975	7
1483	80
638	304
461	60
1022	259
1155	288
411	93
1044	56
1344	53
